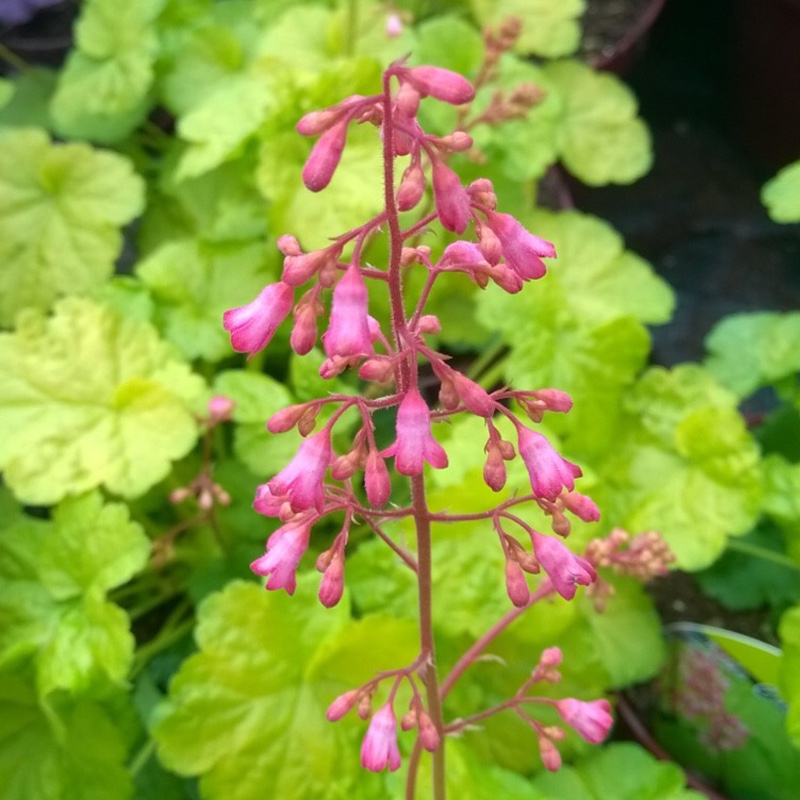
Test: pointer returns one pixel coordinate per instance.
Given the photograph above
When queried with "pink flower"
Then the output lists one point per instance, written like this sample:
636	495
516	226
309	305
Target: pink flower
551	758
415	443
379	749
302	478
516	585
348	332
591	720
451	198
285	548
566	570
332	587
522	250
548	471
325	156
271	505
581	506
443	84
252	326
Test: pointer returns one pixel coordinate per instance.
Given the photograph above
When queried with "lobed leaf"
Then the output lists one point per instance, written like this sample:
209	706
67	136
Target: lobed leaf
61	210
69	429
781	194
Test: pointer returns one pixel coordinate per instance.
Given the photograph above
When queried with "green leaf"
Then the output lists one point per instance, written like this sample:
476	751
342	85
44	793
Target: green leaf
72	750
102	91
69	428
790	670
782	499
683	464
522	148
28	105
247	712
61	208
354	194
747	351
195	282
600	137
623	771
53	580
781	195
448	41
548	29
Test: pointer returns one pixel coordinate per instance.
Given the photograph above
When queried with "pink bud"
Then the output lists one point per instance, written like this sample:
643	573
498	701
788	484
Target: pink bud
473	396
506	278
412	187
516	585
592	721
341	705
379	749
394	25
443	84
551	758
377	483
581	506
428	735
220	408
285	419
481	192
490	245
288	245
325	156
379	370
304	331
429	323
551	657
554	399
332	586
252	326
297	269
494	470
452	201
407	101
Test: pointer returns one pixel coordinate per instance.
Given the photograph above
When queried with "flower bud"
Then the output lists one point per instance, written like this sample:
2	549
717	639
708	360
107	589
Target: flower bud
443	84
325	156
285	419
377	482
341	705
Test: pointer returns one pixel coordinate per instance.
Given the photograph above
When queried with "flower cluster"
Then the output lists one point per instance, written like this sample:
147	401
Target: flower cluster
334	279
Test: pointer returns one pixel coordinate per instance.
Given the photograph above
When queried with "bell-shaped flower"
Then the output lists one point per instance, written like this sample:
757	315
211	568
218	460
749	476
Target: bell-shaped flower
285	548
379	749
415	443
566	570
451	198
522	250
548	471
348	333
252	326
301	479
590	720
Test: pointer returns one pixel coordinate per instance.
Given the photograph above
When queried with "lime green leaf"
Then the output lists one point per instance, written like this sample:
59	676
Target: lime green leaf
61	207
72	750
450	42
781	195
195	282
28	106
354	194
54	577
247	713
102	91
623	771
600	138
790	669
522	148
782	499
6	93
684	465
747	351
548	29
579	328
70	428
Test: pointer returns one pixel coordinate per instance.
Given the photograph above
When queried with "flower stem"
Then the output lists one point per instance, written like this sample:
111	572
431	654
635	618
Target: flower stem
428	671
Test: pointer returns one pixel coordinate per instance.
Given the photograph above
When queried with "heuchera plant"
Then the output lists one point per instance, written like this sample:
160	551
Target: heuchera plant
501	251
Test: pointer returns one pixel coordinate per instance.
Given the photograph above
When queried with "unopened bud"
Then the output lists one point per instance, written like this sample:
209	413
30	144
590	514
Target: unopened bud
307	421
285	419
341	705
516	585
220	408
428	735
289	246
379	370
429	323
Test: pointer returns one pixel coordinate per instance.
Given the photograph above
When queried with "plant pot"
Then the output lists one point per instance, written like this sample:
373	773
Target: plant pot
615	32
766	65
719	713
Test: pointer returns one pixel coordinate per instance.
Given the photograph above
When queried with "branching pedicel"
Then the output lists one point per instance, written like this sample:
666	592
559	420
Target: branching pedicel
503	252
